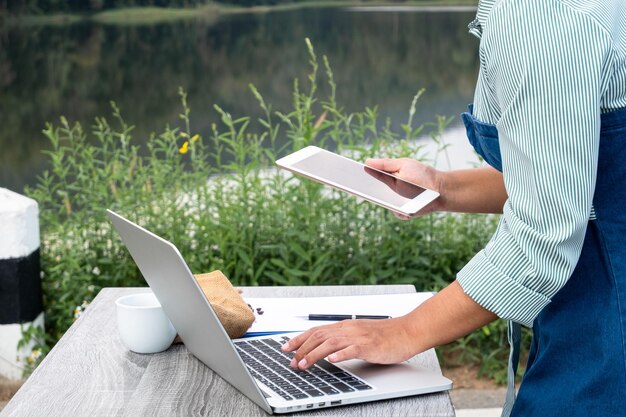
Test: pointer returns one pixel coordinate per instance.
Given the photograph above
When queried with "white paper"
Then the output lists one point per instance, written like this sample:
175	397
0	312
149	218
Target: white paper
290	314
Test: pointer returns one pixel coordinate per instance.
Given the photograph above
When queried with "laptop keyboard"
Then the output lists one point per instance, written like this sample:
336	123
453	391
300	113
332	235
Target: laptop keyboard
270	365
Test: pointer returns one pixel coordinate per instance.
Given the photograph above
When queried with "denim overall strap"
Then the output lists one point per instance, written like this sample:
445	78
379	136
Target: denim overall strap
484	139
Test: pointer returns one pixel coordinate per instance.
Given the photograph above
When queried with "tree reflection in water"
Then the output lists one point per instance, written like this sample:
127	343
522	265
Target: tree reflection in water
378	58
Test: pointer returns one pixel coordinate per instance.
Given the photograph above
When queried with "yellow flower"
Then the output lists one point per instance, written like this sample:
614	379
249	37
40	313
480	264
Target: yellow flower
183	149
184	135
195	138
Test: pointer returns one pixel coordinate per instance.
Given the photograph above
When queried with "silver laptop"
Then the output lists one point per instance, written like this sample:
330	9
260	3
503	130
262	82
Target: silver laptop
256	366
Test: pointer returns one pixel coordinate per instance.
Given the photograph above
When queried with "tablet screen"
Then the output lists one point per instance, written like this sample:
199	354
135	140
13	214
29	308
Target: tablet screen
359	178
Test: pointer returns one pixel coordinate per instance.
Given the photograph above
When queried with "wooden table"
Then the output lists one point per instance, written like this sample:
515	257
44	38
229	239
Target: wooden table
90	373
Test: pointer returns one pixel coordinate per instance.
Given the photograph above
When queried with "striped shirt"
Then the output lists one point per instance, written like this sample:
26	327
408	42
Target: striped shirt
548	69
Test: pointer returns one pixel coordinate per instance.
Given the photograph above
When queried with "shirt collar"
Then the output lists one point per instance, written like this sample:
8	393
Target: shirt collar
476	26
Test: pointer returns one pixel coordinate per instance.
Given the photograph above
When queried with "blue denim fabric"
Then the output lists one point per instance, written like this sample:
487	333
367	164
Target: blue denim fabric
483	137
577	361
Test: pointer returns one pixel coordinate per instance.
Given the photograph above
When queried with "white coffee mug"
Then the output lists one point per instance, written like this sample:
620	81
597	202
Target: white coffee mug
142	323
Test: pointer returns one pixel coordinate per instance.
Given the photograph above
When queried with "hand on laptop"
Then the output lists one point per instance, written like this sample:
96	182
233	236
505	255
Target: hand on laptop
376	341
448	315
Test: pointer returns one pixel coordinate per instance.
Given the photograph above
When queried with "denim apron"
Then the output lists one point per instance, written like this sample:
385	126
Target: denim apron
577	360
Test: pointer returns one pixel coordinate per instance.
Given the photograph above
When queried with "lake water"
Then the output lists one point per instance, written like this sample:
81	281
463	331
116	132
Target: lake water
378	57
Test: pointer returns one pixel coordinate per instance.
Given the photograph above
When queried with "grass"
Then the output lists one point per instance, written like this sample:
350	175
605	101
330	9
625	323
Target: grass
153	15
55	19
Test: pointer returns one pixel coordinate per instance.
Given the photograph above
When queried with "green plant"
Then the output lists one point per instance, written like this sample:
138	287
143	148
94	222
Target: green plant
35	338
219	199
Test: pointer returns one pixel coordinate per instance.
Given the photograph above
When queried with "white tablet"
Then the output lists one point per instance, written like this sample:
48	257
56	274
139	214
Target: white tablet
355	178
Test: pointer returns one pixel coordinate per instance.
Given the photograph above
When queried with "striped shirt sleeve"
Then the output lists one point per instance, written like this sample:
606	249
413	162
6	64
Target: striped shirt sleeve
542	65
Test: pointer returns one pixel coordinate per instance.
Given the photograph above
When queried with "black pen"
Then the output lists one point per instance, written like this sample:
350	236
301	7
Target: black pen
339	317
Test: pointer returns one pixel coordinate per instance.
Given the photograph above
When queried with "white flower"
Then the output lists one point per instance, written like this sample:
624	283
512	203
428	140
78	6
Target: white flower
36	353
79	310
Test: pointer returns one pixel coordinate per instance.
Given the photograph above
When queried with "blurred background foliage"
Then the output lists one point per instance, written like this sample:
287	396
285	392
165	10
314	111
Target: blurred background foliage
55	6
72	6
75	69
219	199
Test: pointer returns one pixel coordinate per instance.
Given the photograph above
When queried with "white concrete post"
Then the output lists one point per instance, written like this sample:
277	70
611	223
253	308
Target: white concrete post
20	279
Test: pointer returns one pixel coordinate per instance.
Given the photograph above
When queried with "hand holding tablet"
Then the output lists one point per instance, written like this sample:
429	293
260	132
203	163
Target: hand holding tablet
371	184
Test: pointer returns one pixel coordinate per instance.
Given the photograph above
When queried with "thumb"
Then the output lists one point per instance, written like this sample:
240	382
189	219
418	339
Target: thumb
385	164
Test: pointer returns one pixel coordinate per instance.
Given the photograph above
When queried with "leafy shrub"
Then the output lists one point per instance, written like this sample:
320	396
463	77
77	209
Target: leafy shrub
219	199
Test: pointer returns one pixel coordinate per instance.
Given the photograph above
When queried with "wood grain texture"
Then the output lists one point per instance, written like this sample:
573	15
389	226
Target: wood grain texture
90	373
